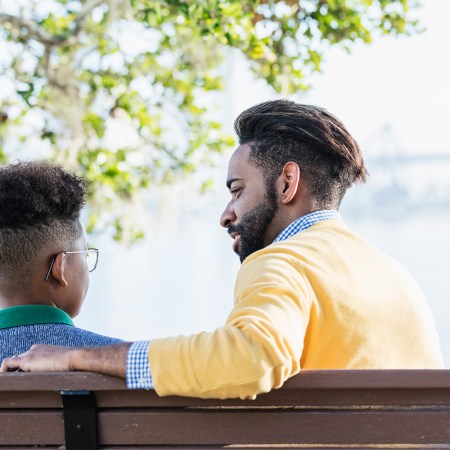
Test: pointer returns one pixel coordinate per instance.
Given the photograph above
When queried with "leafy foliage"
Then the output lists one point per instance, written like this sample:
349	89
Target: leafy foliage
121	91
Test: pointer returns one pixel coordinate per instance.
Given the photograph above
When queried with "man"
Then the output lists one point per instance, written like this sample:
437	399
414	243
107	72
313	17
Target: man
44	260
310	293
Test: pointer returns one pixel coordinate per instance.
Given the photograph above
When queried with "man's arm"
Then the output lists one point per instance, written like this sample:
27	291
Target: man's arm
108	360
260	345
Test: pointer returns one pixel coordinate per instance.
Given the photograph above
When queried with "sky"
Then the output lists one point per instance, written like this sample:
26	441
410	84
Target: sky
402	81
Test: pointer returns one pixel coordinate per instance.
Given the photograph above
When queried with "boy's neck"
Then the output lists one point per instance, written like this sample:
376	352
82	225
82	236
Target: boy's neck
24	298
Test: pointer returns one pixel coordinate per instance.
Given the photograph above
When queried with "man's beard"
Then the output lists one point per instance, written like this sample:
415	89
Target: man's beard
254	224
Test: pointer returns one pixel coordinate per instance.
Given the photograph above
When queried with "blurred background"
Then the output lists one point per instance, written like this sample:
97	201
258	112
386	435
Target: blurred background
391	91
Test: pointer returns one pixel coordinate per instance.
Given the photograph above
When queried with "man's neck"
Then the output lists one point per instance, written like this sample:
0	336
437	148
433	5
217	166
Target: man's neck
286	215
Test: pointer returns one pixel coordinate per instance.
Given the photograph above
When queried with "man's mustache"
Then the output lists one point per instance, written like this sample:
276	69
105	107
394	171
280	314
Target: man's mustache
234	229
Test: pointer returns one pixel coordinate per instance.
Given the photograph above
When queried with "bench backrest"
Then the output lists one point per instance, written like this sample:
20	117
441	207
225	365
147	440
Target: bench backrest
316	409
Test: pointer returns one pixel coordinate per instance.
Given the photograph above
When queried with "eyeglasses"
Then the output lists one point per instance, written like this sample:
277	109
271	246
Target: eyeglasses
91	260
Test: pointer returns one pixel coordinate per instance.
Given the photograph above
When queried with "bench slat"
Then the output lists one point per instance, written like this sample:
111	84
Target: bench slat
299	398
306	379
39	427
270	427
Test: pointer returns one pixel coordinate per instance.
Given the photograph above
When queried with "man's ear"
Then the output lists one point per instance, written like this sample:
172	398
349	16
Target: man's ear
59	266
289	182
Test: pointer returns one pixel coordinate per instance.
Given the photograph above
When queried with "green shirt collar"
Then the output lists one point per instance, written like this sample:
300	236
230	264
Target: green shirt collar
15	316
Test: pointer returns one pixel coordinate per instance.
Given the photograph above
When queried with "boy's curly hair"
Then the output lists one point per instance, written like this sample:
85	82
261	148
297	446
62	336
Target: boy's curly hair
40	206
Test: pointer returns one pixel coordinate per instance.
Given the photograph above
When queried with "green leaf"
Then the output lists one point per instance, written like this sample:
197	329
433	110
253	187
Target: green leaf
120	95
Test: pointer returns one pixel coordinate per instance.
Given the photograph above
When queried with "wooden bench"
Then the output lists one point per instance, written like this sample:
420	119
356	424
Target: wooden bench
316	410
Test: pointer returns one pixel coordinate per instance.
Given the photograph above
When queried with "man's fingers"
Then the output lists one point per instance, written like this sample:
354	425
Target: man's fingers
9	364
21	362
40	358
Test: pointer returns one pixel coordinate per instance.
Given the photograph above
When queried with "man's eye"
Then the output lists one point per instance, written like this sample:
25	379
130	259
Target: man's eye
235	191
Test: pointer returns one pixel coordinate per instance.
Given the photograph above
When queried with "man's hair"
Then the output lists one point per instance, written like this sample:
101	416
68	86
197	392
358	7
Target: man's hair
40	206
281	131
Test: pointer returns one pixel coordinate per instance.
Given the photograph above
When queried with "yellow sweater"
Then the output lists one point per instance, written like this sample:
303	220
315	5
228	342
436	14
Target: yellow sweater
322	299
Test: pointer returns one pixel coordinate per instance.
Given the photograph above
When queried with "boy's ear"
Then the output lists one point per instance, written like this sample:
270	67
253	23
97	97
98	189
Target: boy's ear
289	179
59	266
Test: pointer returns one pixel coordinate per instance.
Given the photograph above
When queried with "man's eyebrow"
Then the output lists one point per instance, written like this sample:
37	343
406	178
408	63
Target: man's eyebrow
231	181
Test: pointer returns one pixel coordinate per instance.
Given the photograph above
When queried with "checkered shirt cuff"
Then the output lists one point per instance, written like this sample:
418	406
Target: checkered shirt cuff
139	375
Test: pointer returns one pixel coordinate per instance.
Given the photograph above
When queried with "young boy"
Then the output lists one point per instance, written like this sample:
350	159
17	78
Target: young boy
44	259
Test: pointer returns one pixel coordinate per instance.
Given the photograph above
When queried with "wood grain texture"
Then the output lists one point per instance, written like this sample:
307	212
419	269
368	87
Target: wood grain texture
316	409
306	379
275	427
40	427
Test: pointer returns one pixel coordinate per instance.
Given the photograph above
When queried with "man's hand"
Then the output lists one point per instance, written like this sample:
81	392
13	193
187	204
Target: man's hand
109	360
40	358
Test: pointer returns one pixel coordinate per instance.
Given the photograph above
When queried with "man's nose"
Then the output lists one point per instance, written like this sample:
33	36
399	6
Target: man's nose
228	216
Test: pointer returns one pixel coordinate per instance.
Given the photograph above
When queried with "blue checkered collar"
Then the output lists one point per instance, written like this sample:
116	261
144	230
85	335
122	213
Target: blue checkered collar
304	222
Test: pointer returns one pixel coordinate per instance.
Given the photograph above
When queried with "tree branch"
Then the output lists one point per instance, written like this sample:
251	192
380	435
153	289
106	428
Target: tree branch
83	14
34	31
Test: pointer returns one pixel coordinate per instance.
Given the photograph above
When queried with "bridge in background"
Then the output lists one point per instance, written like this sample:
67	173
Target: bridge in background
401	182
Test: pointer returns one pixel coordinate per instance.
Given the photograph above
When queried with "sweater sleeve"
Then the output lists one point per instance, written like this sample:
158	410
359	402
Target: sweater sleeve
258	348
